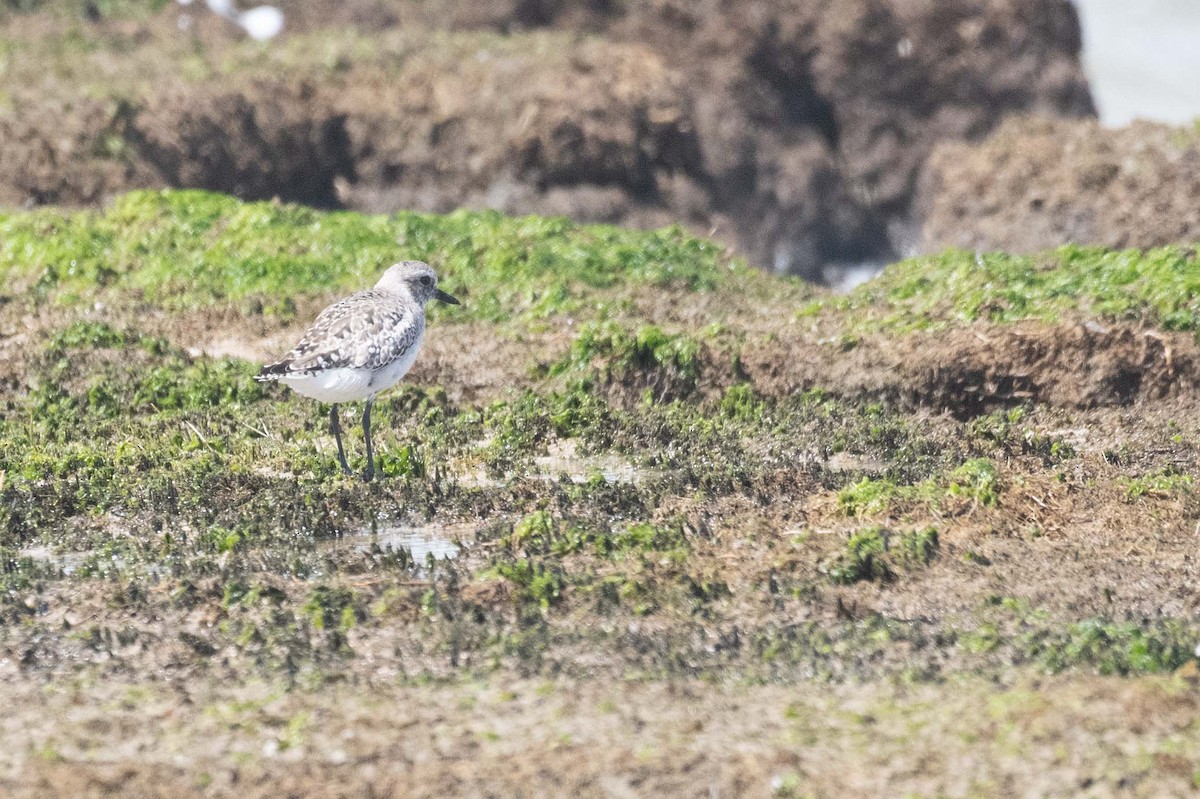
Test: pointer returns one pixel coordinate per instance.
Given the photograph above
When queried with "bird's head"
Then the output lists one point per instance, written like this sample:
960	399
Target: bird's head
418	279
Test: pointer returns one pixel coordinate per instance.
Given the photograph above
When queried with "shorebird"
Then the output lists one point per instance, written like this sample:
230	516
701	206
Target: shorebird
360	346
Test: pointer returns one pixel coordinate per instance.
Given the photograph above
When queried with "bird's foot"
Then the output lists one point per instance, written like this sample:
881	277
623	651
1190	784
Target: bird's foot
368	474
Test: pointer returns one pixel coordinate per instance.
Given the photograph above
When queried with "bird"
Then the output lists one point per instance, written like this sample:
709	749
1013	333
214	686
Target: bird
360	346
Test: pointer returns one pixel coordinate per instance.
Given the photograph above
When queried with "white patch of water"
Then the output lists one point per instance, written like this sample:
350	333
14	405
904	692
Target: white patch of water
421	542
1142	58
68	562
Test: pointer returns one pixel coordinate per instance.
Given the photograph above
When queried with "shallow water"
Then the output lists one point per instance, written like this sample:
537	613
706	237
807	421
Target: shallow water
563	458
421	542
580	469
67	562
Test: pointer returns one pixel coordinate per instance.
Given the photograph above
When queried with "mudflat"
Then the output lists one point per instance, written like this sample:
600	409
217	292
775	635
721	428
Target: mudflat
649	521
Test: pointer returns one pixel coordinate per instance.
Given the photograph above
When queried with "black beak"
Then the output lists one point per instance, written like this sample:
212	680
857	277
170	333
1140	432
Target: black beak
438	294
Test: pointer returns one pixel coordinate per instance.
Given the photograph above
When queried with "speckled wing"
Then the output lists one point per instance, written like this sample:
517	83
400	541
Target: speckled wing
367	330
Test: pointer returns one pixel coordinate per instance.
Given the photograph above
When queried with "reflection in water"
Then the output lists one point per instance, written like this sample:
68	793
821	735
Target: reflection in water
421	542
581	470
66	562
563	459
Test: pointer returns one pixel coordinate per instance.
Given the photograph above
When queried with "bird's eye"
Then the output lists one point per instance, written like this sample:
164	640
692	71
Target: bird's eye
427	280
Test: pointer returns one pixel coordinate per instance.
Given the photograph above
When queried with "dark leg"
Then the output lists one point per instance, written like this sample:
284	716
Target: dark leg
337	435
370	472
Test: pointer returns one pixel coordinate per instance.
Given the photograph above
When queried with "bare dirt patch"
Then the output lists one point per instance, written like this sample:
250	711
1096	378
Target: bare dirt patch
559	738
976	369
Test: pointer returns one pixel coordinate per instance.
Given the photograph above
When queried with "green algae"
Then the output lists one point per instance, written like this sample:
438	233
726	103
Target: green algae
189	249
977	479
617	353
1156	288
1113	647
1165	482
877	553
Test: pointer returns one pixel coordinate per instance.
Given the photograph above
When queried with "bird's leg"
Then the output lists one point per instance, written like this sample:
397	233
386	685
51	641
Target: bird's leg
337	436
370	471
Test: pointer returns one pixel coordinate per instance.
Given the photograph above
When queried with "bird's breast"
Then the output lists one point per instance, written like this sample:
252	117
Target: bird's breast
391	373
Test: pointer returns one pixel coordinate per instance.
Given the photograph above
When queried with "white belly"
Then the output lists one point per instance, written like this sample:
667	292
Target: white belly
332	385
391	374
347	384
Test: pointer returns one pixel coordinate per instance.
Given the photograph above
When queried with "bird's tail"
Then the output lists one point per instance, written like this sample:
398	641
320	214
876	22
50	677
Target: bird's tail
272	372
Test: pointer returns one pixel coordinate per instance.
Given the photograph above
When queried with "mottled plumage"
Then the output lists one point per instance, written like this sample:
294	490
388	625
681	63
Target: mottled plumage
366	330
362	345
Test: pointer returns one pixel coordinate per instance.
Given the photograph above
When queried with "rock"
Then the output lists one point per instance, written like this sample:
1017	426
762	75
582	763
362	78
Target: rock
1038	184
256	138
591	133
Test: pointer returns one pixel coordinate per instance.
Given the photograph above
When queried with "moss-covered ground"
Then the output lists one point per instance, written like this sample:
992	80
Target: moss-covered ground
662	477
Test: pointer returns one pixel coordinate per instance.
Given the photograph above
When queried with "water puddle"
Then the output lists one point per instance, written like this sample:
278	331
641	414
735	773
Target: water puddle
421	542
581	469
66	562
848	462
563	458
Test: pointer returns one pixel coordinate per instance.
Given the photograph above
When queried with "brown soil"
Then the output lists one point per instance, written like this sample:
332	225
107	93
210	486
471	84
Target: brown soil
1038	184
564	739
976	370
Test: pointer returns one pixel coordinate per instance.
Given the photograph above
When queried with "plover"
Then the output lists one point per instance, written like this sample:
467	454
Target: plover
361	346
